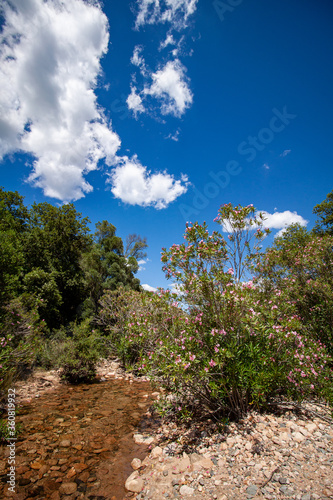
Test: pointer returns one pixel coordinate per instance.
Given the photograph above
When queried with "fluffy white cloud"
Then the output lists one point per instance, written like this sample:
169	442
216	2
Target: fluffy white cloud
49	65
171	88
134	184
176	12
50	60
281	220
277	220
149	288
134	102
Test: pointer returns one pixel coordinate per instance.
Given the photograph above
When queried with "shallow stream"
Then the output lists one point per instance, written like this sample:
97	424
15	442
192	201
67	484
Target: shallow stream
82	436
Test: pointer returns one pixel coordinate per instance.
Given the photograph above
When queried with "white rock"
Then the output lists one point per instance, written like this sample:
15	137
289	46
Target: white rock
136	463
298	437
186	490
140	439
134	482
311	427
156	452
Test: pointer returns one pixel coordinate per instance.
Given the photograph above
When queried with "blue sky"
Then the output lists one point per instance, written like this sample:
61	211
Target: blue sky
150	113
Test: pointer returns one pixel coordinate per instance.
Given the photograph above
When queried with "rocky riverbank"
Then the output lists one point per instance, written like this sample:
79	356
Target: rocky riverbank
264	456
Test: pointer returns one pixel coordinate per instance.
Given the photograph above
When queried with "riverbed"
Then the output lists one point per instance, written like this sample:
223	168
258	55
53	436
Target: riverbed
77	441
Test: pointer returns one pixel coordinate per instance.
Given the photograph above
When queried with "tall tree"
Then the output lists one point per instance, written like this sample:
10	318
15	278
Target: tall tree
54	243
324	210
106	266
13	222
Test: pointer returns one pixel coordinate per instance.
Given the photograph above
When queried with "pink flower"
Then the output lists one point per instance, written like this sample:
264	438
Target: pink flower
231	271
212	363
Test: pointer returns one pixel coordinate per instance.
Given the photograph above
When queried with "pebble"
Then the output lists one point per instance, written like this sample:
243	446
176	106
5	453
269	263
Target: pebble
186	490
136	463
251	491
68	488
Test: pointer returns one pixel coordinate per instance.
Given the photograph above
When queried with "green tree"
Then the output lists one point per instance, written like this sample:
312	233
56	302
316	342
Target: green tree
106	267
324	210
13	222
300	265
54	243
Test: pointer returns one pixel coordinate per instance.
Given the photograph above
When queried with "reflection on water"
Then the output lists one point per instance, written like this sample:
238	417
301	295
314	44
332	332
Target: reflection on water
77	441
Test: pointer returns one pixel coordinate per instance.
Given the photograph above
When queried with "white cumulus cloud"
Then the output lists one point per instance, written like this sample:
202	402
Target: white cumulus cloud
281	220
134	102
170	86
176	12
49	65
149	288
50	61
136	185
277	220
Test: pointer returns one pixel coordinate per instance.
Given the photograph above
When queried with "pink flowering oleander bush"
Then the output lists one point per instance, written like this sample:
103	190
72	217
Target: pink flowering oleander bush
21	330
227	344
134	321
304	271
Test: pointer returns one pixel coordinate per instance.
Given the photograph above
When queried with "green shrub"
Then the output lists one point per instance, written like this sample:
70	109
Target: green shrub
80	354
231	346
52	349
21	331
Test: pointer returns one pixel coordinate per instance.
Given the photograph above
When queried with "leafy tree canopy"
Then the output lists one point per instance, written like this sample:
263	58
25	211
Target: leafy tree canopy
324	210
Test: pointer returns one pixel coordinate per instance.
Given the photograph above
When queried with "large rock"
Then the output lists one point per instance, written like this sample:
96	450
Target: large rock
134	483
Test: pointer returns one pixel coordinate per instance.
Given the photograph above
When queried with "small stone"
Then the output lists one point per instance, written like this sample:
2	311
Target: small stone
311	427
251	491
286	491
65	443
327	492
140	439
136	463
68	488
165	473
298	437
283	480
307	496
36	465
186	490
156	452
71	473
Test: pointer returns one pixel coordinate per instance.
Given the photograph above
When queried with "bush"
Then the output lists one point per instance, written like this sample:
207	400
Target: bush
52	349
230	346
303	269
21	331
80	354
122	314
